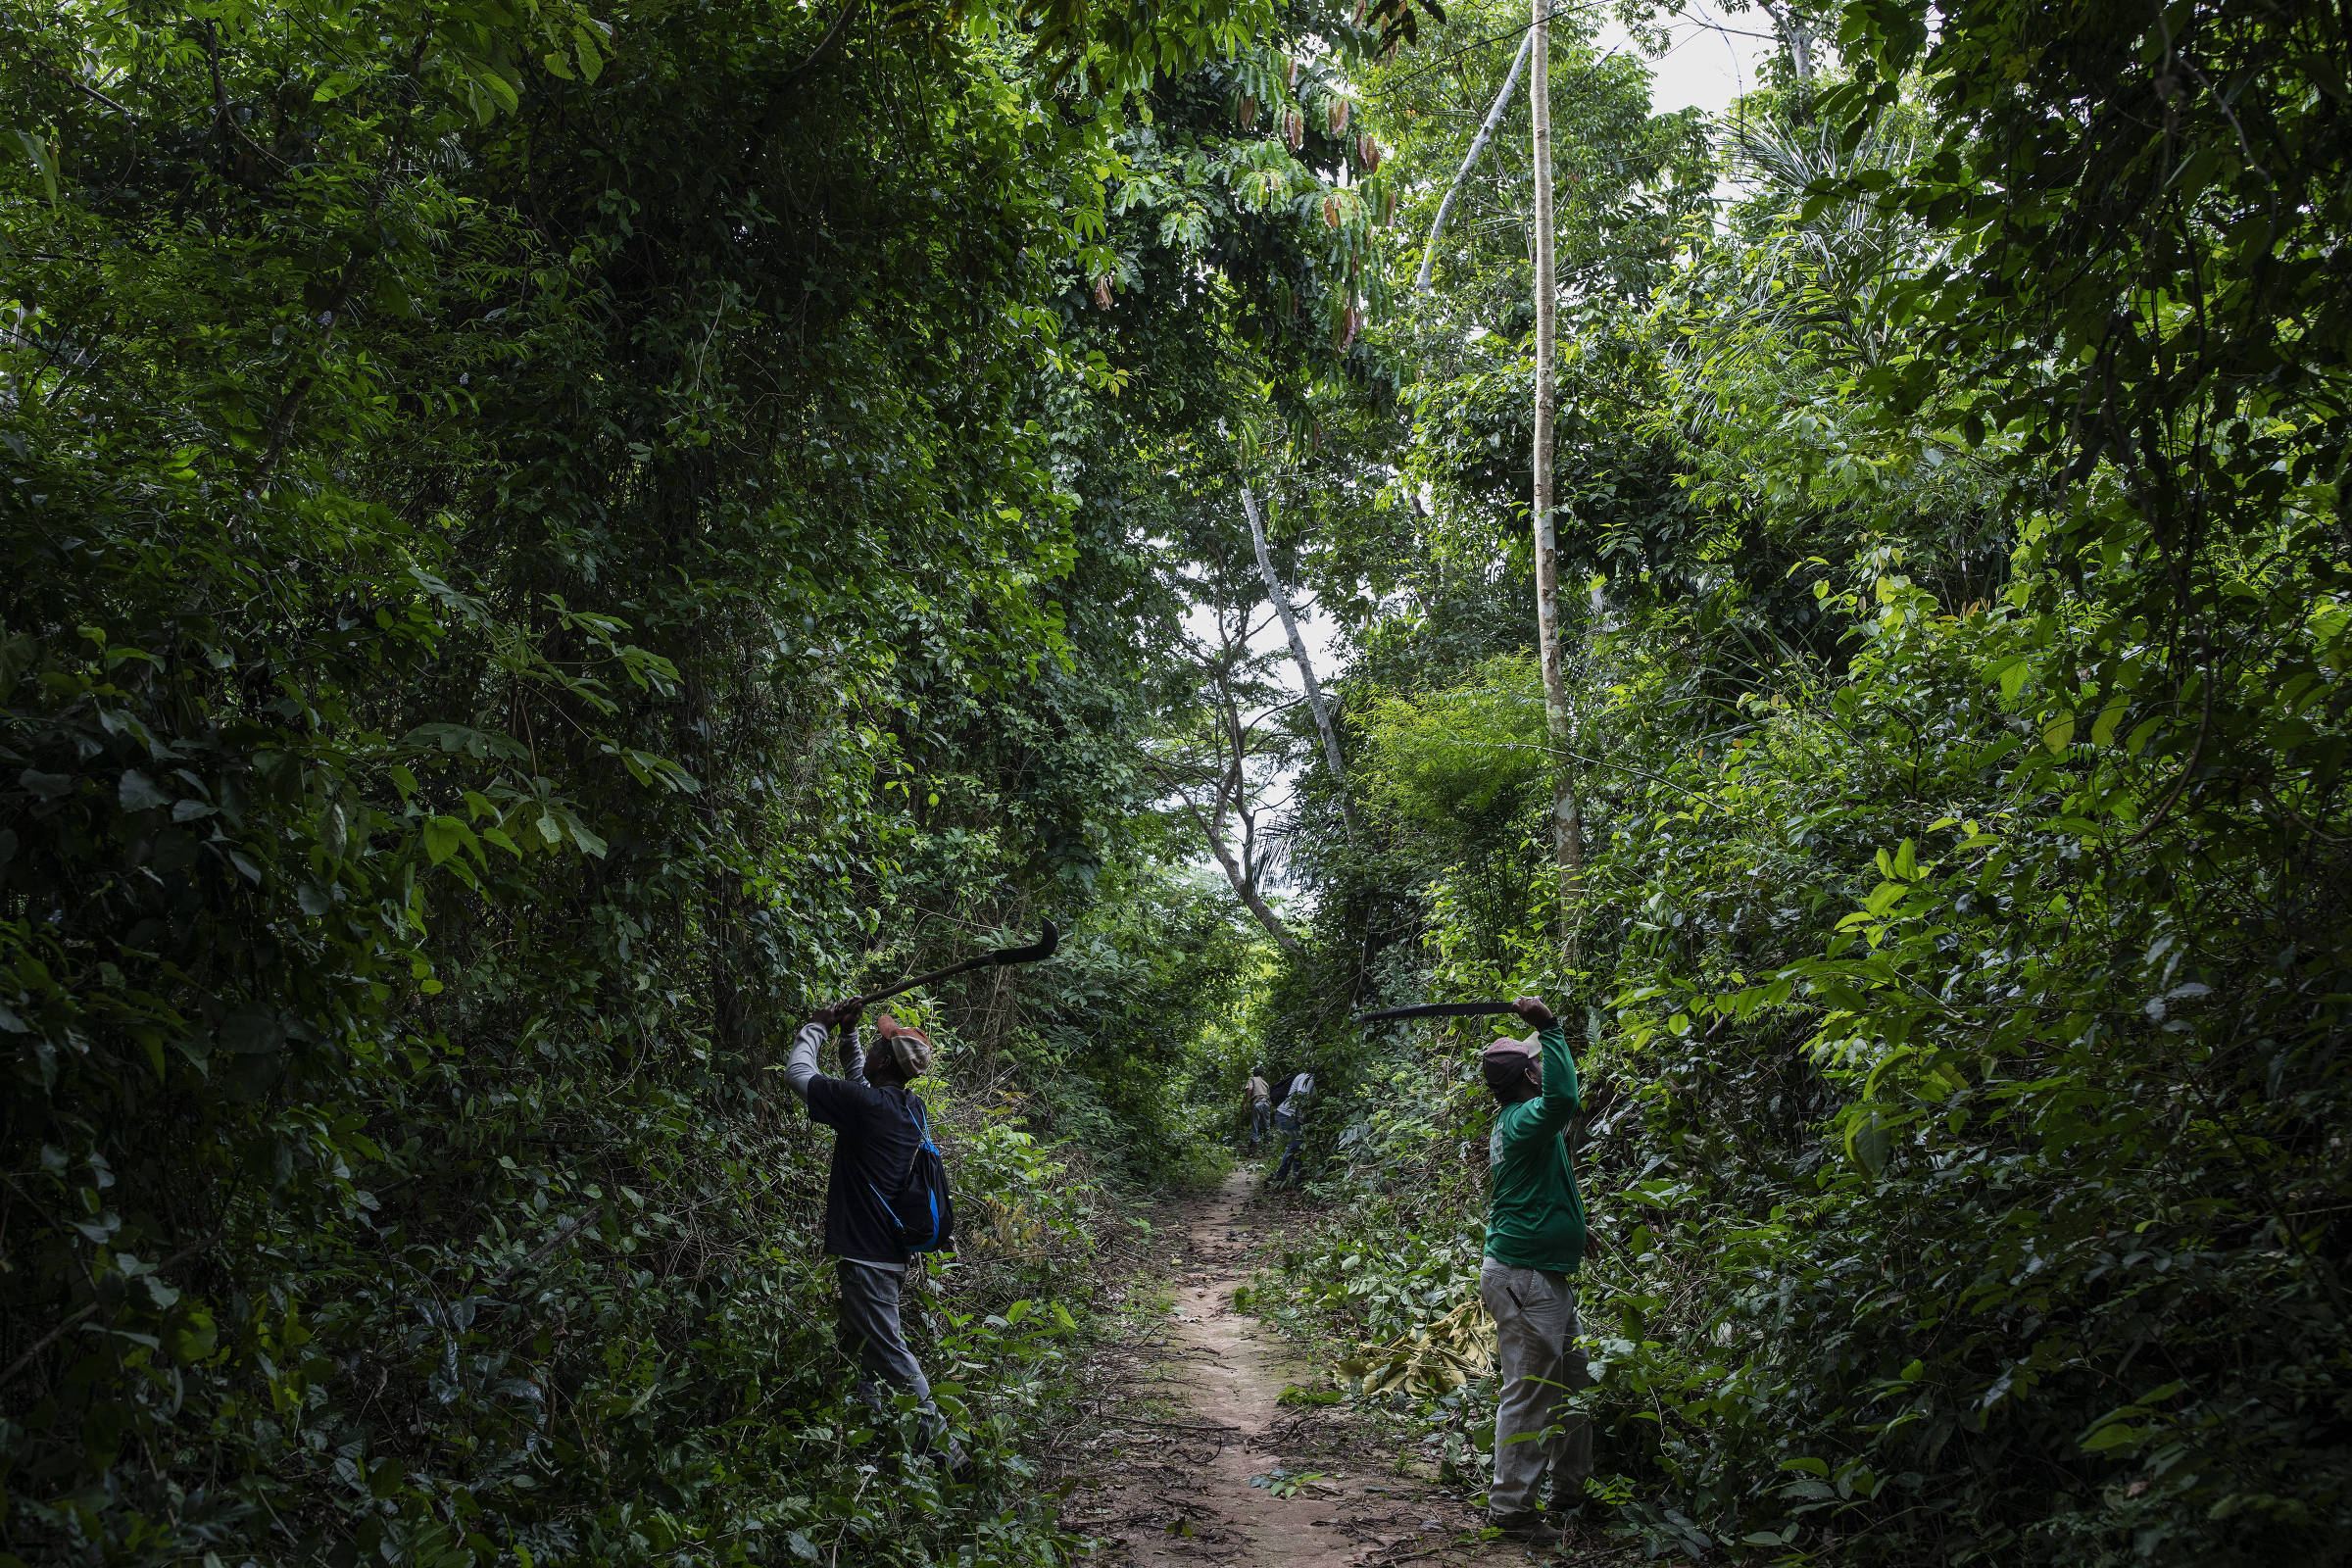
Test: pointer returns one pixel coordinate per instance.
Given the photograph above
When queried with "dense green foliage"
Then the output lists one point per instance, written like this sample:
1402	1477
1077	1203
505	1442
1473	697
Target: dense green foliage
543	542
1961	733
540	545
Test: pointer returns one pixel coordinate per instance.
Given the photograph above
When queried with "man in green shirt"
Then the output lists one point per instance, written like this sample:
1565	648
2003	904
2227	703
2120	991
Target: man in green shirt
1535	1242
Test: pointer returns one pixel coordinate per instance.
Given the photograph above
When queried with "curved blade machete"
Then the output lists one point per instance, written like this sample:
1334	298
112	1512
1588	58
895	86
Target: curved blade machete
1437	1010
1037	952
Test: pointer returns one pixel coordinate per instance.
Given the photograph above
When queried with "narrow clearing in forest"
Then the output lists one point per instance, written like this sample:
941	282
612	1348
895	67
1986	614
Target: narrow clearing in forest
1185	1410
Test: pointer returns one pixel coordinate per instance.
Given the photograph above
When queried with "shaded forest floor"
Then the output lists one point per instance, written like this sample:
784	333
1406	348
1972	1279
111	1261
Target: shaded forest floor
1193	1440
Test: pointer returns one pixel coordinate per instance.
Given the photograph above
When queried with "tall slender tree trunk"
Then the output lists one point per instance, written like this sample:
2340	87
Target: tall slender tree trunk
1478	144
1797	33
1567	816
1307	666
1244	880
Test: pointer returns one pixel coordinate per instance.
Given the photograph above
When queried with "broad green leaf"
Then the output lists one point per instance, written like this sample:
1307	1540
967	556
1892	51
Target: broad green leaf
42	151
1869	1145
137	793
445	836
195	1338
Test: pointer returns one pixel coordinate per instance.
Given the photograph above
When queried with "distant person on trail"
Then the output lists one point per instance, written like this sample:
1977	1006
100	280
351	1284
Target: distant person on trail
1535	1244
1290	1118
875	1121
1261	1108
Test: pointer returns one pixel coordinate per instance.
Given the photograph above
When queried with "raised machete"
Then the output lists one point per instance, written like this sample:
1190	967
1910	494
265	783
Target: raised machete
1437	1010
1037	952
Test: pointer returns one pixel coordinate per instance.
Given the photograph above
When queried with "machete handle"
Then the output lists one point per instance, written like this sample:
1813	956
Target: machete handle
1035	953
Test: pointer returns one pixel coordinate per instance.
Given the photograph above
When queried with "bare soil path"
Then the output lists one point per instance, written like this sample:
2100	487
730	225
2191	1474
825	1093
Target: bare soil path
1187	1412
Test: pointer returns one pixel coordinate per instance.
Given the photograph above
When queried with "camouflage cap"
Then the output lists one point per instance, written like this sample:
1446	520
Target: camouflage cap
1508	1047
912	1048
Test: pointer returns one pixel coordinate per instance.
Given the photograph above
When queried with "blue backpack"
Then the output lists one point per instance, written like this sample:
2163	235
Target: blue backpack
924	1217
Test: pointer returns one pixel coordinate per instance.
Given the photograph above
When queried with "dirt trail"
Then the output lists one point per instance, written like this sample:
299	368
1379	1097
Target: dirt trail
1191	1414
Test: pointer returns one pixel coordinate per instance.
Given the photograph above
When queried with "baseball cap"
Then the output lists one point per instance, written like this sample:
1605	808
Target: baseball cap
1508	1047
912	1048
909	1048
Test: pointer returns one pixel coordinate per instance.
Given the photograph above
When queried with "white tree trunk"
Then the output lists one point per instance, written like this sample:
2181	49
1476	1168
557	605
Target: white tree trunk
1568	848
1797	33
1243	884
1478	144
1306	667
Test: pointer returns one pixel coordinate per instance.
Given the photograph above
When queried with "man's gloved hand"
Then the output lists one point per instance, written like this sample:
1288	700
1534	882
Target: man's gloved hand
1531	1010
836	1015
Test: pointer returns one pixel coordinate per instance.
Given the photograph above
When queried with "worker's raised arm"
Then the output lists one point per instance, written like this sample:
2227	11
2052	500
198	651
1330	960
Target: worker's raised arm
1561	1097
800	1067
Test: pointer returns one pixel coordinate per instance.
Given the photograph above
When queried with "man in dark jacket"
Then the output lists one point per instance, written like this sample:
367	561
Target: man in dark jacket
1290	1120
873	1119
1534	1245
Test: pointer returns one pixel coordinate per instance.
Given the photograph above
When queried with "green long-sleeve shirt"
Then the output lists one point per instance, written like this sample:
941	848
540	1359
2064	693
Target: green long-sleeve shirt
1535	1215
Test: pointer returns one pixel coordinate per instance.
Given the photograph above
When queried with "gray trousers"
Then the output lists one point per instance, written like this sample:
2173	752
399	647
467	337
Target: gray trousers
1535	1333
870	1336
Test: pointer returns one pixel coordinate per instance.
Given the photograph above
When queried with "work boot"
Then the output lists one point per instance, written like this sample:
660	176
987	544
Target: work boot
1528	1527
1573	1501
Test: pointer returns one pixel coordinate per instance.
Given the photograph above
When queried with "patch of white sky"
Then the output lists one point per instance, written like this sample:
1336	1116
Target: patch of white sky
1713	58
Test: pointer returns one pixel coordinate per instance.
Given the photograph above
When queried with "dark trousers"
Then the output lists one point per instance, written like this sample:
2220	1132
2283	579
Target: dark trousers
1262	1113
870	1336
1295	1126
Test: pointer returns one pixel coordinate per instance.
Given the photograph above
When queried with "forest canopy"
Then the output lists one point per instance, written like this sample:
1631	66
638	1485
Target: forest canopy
545	541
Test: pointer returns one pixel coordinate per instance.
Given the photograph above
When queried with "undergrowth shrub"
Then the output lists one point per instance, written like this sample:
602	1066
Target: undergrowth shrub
1959	1154
488	574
